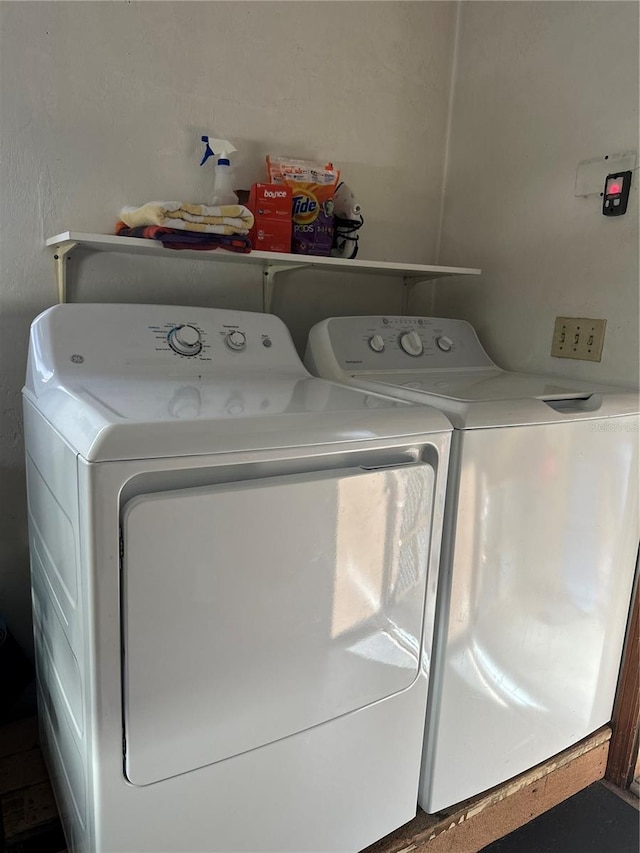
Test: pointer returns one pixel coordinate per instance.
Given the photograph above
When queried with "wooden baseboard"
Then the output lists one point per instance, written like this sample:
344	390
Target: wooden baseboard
473	824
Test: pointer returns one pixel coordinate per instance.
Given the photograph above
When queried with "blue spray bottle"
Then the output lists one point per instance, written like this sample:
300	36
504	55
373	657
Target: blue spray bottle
223	192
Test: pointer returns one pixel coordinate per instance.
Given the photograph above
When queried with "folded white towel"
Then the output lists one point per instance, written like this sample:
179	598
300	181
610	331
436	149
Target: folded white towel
225	219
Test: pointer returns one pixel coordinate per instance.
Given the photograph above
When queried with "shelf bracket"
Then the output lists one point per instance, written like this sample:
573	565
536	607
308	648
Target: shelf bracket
269	273
408	283
61	258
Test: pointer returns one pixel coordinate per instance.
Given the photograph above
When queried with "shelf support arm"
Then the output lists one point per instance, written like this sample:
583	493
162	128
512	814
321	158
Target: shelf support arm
408	284
60	259
269	273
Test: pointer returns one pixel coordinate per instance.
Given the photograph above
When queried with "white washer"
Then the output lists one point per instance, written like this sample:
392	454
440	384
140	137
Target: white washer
234	570
539	548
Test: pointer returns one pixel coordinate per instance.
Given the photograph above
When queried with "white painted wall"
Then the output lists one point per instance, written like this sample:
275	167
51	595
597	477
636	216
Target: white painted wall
541	86
103	104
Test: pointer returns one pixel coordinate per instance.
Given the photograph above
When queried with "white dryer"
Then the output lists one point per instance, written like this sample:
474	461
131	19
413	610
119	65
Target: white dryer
234	569
539	548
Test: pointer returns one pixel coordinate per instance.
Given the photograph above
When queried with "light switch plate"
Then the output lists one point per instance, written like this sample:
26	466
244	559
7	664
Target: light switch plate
578	337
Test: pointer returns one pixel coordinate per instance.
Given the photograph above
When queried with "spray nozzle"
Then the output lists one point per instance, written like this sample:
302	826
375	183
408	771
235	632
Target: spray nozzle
221	147
207	150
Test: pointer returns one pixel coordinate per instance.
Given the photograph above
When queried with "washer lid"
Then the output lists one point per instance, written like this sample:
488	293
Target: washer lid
110	419
495	397
485	385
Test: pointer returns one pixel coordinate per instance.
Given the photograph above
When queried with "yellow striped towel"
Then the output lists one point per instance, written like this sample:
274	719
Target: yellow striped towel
184	216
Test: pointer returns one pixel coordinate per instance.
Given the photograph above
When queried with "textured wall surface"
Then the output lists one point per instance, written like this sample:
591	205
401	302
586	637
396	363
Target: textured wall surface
540	87
103	104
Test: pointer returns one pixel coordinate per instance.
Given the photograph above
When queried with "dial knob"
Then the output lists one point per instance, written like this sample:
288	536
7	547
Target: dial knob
235	406
186	403
236	341
444	343
377	343
185	340
411	343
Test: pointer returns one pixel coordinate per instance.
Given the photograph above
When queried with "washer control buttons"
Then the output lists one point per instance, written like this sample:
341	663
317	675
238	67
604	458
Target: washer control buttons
185	340
236	341
377	343
444	343
411	343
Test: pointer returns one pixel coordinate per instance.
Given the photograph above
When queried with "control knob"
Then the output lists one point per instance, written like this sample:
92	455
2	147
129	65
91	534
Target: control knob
377	343
185	340
411	343
236	341
444	343
186	403
235	406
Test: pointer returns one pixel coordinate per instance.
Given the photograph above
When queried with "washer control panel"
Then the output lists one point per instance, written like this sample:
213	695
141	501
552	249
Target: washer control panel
398	343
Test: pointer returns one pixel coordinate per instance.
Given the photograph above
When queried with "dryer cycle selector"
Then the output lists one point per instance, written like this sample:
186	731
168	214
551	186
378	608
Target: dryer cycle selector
444	343
376	343
236	341
185	340
411	343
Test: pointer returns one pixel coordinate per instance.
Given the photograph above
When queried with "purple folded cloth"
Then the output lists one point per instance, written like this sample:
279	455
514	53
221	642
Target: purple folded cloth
171	238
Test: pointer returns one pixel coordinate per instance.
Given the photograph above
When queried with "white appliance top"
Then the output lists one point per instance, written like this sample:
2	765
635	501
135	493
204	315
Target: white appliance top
441	362
144	381
482	385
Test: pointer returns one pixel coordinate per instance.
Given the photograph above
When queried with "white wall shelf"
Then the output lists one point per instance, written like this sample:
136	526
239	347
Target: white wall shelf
272	263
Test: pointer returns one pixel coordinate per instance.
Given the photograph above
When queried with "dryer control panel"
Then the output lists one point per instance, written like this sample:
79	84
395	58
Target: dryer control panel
374	344
190	337
75	341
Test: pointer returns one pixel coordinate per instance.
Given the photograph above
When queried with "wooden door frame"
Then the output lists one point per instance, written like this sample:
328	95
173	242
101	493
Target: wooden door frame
623	750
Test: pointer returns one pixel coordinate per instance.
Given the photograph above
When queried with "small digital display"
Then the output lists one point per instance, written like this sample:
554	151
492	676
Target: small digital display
614	186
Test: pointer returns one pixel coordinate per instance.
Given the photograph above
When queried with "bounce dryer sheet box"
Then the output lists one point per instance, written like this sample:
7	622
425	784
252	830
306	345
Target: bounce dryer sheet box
313	186
271	208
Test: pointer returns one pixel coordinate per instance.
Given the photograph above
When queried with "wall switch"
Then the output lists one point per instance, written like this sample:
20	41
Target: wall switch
578	337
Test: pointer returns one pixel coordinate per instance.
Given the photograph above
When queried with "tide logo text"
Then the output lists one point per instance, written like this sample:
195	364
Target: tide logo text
305	207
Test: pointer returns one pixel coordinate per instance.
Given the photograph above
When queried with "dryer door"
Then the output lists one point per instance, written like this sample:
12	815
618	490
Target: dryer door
256	609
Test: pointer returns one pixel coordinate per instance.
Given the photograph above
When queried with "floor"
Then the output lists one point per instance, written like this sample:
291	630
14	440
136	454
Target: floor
596	820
